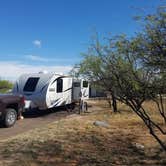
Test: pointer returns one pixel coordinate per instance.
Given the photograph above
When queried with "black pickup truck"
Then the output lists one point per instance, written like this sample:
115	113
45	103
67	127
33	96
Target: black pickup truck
11	108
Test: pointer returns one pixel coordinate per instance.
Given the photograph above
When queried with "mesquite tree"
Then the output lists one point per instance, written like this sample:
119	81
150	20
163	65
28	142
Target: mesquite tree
133	70
137	83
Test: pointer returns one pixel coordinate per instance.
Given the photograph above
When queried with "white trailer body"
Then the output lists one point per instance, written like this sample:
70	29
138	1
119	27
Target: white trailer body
45	91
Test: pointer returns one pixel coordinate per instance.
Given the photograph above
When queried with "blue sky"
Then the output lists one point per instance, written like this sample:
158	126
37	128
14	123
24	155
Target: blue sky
50	34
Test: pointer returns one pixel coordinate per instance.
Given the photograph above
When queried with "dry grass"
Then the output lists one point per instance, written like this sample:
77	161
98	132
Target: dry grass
76	141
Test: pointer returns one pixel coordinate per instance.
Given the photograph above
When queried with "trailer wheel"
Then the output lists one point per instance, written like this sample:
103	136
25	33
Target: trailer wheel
70	107
10	117
73	105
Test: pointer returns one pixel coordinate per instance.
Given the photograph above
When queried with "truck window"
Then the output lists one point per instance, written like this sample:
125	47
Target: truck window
31	83
85	84
59	85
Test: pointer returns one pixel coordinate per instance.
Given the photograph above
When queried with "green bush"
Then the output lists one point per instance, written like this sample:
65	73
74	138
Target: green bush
5	86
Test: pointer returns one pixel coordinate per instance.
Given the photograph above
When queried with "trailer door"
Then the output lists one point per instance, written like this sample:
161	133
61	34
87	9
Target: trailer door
56	92
76	90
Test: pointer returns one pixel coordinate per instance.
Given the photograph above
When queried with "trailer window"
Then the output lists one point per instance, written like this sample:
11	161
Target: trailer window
76	84
85	84
31	83
59	85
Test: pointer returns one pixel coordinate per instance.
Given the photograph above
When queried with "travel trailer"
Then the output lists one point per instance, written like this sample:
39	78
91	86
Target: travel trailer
45	90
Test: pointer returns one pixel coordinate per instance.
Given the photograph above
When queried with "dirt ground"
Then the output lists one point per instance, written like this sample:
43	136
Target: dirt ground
33	119
68	139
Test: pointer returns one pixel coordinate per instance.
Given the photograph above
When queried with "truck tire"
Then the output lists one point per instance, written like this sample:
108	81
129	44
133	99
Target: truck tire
10	117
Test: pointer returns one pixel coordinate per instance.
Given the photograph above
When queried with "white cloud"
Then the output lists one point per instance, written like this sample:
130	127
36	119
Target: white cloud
36	58
12	70
42	59
37	43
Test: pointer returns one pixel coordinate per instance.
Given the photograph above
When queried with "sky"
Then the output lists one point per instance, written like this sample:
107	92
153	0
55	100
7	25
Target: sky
37	35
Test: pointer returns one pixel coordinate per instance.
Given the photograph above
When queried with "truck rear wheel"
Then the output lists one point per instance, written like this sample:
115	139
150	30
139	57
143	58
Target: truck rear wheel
10	117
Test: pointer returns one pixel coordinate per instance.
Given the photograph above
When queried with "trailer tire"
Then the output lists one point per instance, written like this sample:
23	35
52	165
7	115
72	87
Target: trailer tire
10	117
69	107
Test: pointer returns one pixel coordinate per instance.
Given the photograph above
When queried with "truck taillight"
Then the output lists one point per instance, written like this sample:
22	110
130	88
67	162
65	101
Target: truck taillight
23	100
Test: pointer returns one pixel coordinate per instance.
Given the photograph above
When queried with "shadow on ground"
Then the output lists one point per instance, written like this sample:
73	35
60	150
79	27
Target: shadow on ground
35	113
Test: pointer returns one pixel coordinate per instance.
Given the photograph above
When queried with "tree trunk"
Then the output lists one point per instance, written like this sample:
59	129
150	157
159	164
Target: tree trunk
114	103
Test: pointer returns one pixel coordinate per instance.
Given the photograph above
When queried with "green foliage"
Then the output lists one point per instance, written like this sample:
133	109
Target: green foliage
152	43
5	86
91	67
133	68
